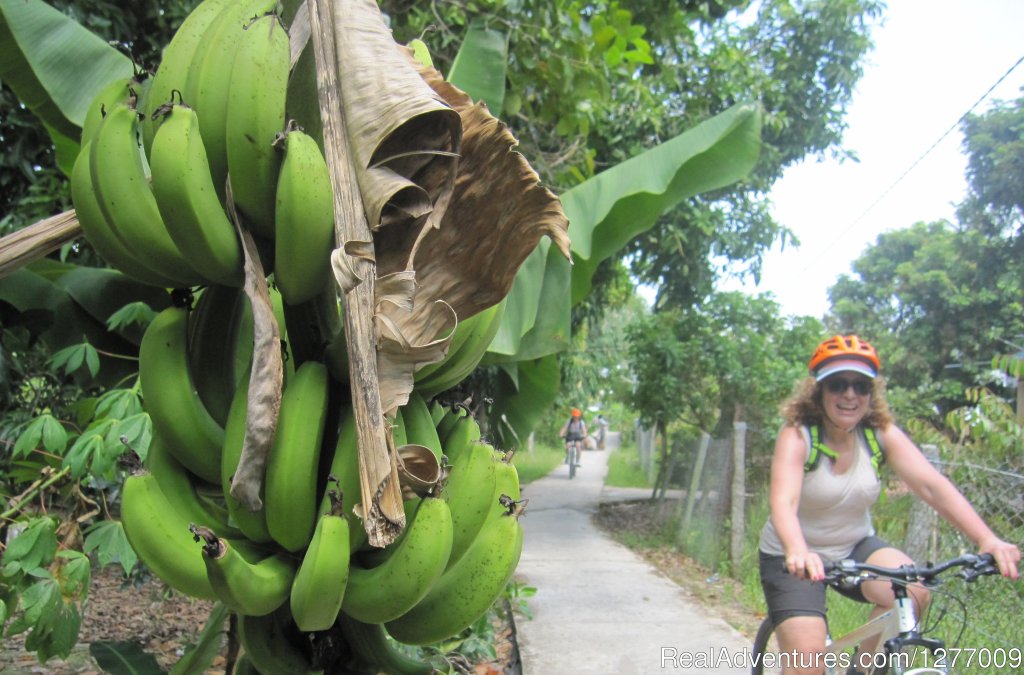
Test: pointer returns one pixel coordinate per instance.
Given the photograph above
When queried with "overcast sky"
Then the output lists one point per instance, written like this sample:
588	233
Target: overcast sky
933	60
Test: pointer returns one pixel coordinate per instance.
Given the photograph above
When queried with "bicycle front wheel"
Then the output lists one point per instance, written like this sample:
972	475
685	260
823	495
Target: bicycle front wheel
573	458
766	659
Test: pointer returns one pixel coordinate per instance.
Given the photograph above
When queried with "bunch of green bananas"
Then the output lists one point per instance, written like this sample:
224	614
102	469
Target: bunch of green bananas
170	172
300	566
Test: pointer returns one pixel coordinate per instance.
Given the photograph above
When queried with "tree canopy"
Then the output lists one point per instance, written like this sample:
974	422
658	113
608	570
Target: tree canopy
942	299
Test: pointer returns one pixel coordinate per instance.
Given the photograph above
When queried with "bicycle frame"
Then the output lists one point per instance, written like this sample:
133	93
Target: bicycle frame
895	629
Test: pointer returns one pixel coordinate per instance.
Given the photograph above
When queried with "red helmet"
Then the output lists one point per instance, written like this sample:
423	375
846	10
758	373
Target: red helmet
844	352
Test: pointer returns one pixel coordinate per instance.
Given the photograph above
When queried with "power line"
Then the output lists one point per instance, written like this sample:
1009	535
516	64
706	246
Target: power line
917	161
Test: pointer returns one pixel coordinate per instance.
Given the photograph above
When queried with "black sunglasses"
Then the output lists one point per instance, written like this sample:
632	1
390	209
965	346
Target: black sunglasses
839	385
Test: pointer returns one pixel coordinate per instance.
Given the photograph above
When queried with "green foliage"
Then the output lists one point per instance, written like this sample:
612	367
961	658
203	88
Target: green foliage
624	469
994	145
199	657
991	424
70	359
734	355
124	658
107	541
45	587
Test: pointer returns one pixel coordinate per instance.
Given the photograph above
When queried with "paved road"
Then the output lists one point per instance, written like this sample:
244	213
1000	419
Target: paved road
599	607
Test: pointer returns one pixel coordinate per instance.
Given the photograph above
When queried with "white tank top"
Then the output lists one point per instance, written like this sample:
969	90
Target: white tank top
834	510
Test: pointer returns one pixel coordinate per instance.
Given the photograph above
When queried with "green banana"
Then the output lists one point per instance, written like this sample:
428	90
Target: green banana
99	232
419	425
273	644
370	645
188	201
398	433
437	411
345	470
254	117
319	586
209	80
126	198
159	533
469	493
417	559
176	62
251	588
459	365
181	490
291	480
304	220
214	329
467	589
253	524
463	434
116	91
506	488
450	419
463	330
170	397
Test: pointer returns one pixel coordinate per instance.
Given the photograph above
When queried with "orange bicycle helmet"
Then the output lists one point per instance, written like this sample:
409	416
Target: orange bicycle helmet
844	352
576	412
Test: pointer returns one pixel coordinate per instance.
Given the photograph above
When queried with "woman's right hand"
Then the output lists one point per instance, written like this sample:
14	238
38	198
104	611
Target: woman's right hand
805	565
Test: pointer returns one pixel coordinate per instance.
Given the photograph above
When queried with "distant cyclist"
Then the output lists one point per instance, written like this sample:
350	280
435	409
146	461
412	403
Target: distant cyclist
574	431
824	479
602	431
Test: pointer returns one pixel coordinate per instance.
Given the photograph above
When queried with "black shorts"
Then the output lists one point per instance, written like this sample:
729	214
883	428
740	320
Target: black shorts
789	596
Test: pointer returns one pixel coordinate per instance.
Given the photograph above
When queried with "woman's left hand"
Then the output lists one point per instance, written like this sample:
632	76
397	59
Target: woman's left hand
1007	555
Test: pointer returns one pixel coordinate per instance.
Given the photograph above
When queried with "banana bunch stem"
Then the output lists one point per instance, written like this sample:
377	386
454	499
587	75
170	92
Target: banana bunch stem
384	516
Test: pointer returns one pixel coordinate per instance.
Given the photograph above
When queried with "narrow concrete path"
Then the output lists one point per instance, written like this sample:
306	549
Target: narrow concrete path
599	607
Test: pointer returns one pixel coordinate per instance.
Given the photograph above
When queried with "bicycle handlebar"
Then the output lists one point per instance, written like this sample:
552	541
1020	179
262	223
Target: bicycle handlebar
852	571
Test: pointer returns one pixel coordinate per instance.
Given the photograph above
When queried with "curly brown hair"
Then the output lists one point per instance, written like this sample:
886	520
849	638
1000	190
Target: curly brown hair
804	407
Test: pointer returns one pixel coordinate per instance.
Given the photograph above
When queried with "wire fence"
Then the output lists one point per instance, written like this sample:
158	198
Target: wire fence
717	519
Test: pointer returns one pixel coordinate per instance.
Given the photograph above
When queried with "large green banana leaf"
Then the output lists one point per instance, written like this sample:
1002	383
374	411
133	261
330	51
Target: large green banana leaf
55	66
514	415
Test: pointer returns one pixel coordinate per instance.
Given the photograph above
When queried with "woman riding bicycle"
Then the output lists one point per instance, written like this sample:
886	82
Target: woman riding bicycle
824	479
574	431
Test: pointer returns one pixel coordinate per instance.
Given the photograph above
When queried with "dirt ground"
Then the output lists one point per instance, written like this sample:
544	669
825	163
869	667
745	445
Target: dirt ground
164	623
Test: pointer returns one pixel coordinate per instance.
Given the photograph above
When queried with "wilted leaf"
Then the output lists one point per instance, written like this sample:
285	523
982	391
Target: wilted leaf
266	379
404	138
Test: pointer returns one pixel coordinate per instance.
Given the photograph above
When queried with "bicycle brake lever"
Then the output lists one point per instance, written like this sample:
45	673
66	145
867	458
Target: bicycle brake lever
971	574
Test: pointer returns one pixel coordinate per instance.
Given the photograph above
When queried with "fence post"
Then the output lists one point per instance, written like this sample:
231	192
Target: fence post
691	493
919	544
739	491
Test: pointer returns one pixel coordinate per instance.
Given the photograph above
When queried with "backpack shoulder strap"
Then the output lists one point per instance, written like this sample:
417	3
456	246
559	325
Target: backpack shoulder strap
817	449
875	449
